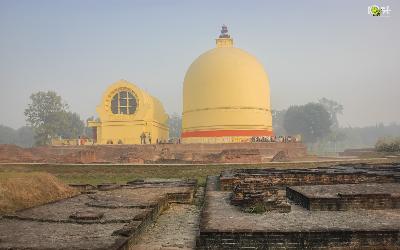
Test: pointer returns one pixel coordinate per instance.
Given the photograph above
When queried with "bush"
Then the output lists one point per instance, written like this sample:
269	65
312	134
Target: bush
388	144
256	208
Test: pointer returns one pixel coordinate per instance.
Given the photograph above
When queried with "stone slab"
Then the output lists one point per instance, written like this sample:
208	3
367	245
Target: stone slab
220	216
45	235
111	219
332	191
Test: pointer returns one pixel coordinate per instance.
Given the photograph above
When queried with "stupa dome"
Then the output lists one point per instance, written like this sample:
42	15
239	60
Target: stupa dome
225	95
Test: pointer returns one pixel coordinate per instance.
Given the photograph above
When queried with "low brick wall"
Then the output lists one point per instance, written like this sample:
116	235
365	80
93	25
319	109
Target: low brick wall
154	153
320	176
300	199
343	202
289	179
389	239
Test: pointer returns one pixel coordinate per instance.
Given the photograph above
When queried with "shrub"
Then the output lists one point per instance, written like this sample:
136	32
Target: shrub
256	208
388	144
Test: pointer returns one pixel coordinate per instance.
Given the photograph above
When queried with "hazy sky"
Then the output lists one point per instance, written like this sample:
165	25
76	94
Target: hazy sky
310	49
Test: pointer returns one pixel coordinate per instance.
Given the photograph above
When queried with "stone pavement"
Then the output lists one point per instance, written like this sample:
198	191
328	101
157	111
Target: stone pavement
108	217
176	228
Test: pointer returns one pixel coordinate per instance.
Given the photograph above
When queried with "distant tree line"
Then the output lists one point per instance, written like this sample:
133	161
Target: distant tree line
362	137
314	121
320	129
22	137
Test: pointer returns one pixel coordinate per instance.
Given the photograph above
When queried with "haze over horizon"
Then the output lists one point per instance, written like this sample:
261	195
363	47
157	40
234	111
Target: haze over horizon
310	50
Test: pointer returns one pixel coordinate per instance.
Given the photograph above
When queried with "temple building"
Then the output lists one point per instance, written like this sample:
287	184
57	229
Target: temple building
226	96
129	115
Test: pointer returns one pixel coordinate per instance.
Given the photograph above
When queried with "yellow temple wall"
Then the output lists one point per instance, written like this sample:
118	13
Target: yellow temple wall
129	132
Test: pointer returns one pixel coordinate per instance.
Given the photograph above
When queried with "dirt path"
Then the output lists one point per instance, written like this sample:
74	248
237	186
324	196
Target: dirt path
176	228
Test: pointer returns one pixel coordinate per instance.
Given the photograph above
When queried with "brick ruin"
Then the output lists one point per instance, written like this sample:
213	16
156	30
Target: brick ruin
354	206
339	197
154	153
341	174
108	216
254	195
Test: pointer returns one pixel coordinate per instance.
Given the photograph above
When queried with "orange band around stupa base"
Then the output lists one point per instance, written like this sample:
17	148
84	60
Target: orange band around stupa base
223	133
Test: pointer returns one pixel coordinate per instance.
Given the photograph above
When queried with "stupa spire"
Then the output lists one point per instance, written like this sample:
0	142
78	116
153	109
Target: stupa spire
224	40
224	32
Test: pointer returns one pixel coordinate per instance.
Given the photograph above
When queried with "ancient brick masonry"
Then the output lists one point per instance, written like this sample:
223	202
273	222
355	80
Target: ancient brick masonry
344	174
252	192
346	196
351	206
340	239
154	153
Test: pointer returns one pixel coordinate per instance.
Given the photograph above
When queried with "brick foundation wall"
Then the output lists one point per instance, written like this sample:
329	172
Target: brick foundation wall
311	179
389	239
344	202
306	177
223	227
154	153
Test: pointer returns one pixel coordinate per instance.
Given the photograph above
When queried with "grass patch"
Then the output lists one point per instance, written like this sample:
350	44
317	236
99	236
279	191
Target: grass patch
257	208
20	190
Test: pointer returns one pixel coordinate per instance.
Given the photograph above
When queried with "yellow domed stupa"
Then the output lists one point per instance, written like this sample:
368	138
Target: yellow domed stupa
226	96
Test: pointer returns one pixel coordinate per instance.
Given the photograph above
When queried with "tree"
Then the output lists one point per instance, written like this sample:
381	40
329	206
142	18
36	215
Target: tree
333	109
88	131
277	121
49	117
312	121
7	135
42	105
25	136
65	124
175	125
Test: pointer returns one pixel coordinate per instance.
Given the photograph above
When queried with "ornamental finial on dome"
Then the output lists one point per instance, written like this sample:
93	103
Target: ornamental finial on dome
224	40
224	32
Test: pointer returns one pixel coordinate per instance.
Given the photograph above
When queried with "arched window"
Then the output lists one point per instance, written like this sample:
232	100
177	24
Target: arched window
123	102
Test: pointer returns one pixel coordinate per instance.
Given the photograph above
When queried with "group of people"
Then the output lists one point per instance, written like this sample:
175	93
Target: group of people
146	139
143	138
284	139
